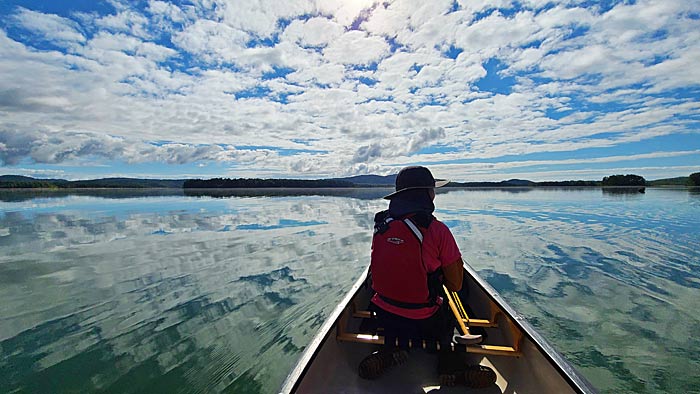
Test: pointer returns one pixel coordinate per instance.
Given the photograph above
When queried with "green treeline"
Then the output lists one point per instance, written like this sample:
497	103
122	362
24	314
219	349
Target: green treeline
525	183
679	181
694	179
23	182
568	183
636	180
27	185
252	183
624	180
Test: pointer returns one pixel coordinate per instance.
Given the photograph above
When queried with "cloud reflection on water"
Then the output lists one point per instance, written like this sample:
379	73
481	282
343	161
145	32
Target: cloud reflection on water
187	293
612	281
167	295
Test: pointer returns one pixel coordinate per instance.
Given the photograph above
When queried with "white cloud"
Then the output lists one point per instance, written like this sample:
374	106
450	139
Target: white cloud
356	47
51	148
494	34
302	75
475	6
53	28
33	172
564	17
260	18
489	173
212	41
130	45
572	64
344	12
323	73
131	22
166	10
425	138
315	32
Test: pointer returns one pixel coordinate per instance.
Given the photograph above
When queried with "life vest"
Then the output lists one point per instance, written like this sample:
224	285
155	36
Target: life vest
398	273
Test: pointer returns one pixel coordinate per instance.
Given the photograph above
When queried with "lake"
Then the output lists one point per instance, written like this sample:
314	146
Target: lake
161	291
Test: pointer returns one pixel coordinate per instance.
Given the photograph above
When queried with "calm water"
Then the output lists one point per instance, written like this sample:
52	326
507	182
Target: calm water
159	292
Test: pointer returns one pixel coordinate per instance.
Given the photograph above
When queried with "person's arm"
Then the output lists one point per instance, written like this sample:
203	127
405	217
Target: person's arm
454	273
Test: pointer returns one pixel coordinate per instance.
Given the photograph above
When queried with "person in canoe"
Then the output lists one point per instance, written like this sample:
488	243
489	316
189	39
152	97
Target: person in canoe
413	255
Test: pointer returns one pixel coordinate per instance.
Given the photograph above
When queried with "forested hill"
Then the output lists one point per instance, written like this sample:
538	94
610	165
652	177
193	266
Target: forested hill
680	181
18	181
370	180
508	183
252	183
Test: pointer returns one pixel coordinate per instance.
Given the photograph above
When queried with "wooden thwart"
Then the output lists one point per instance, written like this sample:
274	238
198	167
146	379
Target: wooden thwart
463	321
461	313
493	350
363	314
360	338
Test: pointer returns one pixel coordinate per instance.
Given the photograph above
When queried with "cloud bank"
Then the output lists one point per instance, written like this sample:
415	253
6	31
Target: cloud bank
339	88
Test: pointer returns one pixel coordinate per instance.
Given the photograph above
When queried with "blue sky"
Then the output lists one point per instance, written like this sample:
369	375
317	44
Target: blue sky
477	90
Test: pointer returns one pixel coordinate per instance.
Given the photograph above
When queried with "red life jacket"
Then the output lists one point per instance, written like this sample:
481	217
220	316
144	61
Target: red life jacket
398	273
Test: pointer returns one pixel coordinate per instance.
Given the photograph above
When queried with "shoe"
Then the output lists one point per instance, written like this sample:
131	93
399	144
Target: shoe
478	376
475	376
377	363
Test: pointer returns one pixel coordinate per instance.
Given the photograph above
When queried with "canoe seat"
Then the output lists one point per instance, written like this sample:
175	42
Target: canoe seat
468	321
375	339
353	311
363	314
360	338
471	322
493	350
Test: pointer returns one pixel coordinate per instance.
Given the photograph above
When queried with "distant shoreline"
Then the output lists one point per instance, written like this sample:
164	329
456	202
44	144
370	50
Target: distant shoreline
52	189
362	193
18	182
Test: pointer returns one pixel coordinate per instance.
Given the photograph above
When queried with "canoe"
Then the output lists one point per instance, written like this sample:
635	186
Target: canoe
523	360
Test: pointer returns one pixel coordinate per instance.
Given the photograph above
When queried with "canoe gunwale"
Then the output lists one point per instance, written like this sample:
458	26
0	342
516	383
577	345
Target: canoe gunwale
314	347
565	369
575	379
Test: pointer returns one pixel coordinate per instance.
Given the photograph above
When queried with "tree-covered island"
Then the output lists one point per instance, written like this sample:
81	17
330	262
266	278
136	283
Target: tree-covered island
624	180
694	179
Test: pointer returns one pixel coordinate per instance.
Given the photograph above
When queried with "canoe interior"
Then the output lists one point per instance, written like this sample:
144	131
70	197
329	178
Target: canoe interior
522	360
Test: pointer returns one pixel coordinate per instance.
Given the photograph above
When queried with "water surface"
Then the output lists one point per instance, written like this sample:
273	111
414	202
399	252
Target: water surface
162	291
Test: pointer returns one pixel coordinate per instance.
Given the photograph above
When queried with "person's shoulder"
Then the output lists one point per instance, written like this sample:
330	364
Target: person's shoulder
438	226
438	222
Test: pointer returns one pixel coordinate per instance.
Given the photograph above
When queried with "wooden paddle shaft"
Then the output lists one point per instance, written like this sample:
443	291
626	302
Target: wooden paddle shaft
455	311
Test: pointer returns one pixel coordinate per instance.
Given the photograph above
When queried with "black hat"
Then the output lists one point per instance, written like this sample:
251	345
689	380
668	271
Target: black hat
415	177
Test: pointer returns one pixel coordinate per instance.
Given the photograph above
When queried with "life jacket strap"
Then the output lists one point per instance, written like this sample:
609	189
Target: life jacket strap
414	229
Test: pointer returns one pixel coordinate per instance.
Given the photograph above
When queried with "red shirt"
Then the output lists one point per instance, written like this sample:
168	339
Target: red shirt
439	250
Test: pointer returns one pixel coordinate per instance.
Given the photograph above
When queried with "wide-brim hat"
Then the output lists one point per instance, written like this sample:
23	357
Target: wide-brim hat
415	177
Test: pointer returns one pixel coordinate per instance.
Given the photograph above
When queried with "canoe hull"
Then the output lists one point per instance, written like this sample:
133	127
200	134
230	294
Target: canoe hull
523	360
